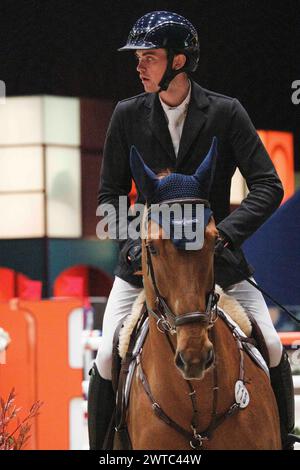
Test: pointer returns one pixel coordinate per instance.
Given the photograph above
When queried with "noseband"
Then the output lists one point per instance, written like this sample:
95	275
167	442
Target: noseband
166	319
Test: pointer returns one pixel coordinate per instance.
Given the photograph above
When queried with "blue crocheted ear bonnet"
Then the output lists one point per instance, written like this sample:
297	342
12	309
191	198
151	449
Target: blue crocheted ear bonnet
175	186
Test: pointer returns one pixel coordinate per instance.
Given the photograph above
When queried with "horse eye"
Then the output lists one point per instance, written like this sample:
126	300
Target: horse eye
152	249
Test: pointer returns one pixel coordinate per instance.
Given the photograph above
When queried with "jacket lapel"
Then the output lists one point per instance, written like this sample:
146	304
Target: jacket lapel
158	124
194	121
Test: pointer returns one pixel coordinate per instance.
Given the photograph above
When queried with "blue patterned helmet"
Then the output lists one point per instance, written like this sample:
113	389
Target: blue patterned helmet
167	30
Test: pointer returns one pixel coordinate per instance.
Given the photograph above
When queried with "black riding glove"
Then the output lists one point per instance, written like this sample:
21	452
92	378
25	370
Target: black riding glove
230	264
132	254
223	251
221	244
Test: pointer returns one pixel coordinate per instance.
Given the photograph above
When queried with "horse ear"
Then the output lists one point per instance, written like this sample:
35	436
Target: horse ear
205	172
146	180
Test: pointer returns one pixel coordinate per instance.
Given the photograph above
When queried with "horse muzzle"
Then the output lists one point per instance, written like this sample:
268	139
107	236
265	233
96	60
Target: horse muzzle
192	366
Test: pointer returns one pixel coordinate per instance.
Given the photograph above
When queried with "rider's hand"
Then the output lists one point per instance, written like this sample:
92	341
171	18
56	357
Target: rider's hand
133	255
221	244
223	251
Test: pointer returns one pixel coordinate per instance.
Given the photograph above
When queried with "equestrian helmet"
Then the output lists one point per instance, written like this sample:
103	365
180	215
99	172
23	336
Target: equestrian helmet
164	29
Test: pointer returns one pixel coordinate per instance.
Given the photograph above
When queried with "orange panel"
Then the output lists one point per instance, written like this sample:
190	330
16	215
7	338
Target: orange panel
288	338
57	382
38	366
19	372
280	147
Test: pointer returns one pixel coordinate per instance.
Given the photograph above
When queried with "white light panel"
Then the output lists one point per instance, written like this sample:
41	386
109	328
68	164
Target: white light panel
22	215
63	187
21	169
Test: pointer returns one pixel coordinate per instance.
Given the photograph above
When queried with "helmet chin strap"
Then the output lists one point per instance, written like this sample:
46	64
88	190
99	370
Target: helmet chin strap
170	73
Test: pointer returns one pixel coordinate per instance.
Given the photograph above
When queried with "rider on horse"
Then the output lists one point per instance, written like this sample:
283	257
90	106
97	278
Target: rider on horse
172	125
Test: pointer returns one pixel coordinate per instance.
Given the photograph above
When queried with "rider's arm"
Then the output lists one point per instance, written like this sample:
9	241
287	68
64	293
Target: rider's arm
115	177
265	188
116	180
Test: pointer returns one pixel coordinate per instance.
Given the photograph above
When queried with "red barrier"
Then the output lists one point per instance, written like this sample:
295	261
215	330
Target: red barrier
7	284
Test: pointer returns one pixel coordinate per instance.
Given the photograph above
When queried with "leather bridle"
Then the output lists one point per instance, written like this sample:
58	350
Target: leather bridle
166	319
167	322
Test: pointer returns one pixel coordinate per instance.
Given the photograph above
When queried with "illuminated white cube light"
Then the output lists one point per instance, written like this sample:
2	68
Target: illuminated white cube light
21	169
61	119
22	215
63	189
40	168
21	121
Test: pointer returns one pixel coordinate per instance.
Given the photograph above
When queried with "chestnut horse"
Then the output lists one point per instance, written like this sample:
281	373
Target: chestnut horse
193	387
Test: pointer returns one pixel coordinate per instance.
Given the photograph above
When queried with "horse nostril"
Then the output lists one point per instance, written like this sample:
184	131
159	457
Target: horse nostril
210	358
179	361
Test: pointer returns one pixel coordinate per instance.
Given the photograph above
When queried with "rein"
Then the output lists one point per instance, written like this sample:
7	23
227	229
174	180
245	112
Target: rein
233	263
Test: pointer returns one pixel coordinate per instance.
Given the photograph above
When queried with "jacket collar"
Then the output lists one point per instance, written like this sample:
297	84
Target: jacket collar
194	121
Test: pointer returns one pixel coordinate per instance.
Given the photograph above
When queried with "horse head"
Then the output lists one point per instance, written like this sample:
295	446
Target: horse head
178	270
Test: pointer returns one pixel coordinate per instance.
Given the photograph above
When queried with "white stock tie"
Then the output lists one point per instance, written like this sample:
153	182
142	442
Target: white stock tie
176	117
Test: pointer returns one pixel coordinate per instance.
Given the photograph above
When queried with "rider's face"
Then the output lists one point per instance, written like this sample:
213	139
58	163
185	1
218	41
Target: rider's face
151	67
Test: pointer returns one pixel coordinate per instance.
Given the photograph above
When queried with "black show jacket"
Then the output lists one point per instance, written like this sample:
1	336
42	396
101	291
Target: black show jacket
141	121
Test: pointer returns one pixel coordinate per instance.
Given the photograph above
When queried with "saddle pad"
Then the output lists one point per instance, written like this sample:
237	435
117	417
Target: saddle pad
140	339
249	348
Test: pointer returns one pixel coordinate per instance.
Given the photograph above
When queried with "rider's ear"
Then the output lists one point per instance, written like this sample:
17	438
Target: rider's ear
205	172
179	61
145	179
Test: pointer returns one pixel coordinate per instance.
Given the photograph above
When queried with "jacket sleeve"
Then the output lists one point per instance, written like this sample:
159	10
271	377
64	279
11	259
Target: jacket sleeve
115	176
254	163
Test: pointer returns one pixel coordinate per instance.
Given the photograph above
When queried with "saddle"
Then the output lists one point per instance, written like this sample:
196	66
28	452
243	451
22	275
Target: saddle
123	369
122	375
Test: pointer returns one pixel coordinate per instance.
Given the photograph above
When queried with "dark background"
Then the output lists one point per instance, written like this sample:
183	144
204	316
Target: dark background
250	49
